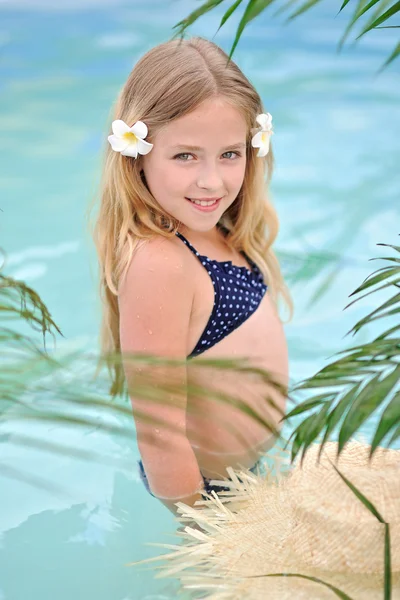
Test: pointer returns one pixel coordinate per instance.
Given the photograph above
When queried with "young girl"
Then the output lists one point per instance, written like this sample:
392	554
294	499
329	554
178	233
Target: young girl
184	237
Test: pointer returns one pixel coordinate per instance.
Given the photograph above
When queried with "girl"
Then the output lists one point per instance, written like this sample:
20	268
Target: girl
184	236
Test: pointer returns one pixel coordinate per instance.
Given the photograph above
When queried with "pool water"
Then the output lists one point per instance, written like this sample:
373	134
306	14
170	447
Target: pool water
335	188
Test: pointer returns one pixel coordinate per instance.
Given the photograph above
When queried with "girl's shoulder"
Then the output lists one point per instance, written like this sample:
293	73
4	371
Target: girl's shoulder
162	252
155	300
159	259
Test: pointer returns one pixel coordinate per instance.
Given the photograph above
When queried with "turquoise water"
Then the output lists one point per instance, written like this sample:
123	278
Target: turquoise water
335	187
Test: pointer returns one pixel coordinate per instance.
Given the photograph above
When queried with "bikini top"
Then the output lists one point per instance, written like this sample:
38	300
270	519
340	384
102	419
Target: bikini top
238	292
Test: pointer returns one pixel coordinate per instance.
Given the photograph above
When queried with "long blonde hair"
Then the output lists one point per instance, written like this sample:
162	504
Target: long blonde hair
168	82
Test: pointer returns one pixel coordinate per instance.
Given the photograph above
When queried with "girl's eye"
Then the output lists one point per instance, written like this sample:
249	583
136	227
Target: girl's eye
232	152
183	156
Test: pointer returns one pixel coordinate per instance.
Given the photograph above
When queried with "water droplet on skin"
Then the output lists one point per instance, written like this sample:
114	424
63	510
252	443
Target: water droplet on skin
157	430
150	332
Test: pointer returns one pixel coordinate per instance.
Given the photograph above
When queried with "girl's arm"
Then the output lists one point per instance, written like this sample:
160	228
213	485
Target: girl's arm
155	302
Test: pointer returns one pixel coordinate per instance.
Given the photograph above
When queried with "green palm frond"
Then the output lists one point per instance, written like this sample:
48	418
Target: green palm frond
387	560
377	11
17	300
183	25
392	57
358	383
380	17
339	593
362	8
229	13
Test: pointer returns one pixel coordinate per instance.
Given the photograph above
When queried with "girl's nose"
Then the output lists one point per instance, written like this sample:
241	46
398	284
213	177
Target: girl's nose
210	179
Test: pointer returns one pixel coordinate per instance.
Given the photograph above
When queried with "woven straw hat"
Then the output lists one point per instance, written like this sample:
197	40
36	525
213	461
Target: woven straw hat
306	521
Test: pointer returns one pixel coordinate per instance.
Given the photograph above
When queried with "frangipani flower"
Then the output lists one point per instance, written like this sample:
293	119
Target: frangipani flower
261	139
129	140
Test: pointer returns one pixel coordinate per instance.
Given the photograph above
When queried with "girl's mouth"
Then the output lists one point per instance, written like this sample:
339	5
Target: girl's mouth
204	206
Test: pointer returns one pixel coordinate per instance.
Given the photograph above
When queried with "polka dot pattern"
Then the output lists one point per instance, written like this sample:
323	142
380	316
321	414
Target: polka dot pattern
238	292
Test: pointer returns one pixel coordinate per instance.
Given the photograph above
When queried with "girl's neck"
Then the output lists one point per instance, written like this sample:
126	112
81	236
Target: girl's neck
214	236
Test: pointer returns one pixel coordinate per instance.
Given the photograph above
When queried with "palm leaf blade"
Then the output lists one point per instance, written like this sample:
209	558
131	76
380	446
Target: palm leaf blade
373	510
306	6
386	15
339	593
248	15
229	13
389	419
369	399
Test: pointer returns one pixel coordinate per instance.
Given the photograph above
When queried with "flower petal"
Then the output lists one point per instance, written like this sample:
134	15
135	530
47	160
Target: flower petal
143	147
131	150
119	127
264	149
118	144
139	129
262	152
256	141
261	141
265	120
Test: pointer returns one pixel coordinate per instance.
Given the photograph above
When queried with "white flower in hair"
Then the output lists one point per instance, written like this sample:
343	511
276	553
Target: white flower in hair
129	140
261	139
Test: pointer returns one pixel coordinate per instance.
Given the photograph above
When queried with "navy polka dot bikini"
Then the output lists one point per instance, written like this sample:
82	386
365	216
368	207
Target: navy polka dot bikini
238	292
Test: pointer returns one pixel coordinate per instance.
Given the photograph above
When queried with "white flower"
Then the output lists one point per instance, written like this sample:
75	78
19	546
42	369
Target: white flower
261	139
129	140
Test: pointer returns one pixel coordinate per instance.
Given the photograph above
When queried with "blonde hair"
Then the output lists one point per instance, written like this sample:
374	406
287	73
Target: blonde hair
170	81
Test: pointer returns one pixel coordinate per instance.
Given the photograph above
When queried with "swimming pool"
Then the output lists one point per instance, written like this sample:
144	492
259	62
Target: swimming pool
335	187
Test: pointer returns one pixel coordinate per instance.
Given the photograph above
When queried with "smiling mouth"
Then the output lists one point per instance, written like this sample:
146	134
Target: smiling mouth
204	202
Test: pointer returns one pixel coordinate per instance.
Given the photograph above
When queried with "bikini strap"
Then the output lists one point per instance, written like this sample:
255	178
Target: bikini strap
185	241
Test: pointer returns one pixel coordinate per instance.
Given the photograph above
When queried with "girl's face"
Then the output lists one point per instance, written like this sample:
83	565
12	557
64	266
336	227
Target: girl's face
201	156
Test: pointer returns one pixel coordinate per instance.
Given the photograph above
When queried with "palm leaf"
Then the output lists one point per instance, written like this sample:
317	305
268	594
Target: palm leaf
229	13
311	403
304	8
255	7
285	7
360	10
395	436
345	3
337	592
361	380
366	403
372	280
248	15
394	55
337	414
258	7
19	300
314	428
193	16
387	421
372	509
381	19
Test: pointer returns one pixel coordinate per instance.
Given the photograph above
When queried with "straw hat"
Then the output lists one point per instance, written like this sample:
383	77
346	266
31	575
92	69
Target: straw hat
306	521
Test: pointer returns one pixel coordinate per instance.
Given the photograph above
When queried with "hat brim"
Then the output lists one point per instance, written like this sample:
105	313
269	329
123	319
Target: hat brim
306	523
